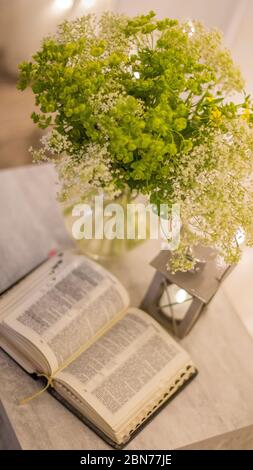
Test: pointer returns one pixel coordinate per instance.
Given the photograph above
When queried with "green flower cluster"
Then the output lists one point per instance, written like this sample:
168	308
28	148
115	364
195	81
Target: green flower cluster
142	92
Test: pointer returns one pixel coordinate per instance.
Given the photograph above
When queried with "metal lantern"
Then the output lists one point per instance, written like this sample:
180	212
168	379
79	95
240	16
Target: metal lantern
177	299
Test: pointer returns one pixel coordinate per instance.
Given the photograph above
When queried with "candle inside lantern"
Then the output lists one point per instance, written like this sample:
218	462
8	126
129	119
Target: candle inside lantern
175	302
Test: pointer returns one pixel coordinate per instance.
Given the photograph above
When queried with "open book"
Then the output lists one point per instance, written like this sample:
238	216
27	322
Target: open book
114	366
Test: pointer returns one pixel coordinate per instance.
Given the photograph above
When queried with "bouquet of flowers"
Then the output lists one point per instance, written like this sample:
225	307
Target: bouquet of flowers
149	105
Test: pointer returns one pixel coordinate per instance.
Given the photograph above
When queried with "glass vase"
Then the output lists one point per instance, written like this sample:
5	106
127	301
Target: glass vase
98	245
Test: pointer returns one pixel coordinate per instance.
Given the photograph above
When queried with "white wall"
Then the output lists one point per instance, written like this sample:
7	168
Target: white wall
242	45
23	23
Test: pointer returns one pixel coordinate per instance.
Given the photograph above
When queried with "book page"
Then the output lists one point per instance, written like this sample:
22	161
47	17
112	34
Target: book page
69	307
125	367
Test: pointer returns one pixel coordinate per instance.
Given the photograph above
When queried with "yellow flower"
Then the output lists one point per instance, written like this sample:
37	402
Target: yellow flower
246	114
216	115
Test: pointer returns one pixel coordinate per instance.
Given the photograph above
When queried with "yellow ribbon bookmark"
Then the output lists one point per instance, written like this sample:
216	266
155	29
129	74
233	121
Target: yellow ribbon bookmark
31	397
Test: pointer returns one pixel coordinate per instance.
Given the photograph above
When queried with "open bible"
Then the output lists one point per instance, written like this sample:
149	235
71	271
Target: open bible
113	365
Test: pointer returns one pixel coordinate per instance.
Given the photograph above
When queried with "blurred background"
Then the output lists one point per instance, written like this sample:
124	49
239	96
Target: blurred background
23	23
